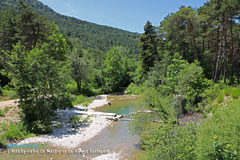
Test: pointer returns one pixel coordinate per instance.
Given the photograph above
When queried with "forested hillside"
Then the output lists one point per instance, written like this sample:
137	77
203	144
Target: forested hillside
85	34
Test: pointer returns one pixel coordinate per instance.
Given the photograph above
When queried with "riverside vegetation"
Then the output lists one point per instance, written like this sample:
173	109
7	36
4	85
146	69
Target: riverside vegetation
47	71
187	72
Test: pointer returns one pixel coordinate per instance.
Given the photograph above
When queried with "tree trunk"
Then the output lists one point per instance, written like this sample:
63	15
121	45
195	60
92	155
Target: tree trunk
217	53
232	50
79	84
237	61
224	51
218	56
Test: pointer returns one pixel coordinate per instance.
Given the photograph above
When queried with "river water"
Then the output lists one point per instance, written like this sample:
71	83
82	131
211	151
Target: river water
115	138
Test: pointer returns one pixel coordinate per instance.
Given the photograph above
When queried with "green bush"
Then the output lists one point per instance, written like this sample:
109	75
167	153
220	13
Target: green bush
9	93
135	89
223	151
225	124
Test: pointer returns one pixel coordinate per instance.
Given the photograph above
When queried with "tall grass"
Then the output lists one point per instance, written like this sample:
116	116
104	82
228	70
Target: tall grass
12	131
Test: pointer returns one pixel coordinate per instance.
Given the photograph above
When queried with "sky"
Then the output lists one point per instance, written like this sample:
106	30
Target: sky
130	15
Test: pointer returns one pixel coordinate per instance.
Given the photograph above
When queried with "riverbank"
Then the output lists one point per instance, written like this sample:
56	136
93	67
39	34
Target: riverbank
64	135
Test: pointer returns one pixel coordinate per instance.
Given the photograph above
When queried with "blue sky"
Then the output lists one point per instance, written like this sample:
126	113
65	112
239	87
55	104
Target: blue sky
129	15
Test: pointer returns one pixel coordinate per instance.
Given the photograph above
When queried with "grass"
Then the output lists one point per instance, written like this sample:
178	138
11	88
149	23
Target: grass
235	93
8	94
80	99
4	111
12	131
220	98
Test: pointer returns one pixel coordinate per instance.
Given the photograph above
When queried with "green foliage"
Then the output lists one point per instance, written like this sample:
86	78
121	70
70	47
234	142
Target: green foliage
9	93
223	151
148	44
81	68
80	99
235	93
163	106
40	76
2	113
171	142
115	71
13	132
135	89
187	81
227	91
220	98
86	35
225	125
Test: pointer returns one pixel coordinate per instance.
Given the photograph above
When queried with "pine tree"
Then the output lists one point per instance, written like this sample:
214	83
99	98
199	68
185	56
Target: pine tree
148	44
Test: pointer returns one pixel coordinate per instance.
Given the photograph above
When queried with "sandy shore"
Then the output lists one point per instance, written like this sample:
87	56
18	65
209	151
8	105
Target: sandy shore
66	136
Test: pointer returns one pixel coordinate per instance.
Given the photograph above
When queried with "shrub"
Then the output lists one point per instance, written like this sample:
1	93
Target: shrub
223	151
9	93
135	89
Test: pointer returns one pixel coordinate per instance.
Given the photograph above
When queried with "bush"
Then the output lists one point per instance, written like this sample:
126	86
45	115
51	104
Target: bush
223	151
9	93
135	89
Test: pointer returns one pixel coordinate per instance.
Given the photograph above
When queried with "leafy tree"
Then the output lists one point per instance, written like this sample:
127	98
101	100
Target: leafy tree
39	70
81	69
114	69
181	30
39	80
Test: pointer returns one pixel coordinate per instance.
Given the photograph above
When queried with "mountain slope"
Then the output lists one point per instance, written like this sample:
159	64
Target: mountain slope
87	35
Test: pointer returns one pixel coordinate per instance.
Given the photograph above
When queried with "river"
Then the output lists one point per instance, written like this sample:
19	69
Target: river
115	138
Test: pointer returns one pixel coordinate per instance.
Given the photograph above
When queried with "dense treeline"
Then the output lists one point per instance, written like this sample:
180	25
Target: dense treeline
185	66
87	35
209	34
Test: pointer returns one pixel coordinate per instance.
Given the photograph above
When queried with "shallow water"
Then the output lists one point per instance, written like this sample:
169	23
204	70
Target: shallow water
116	137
